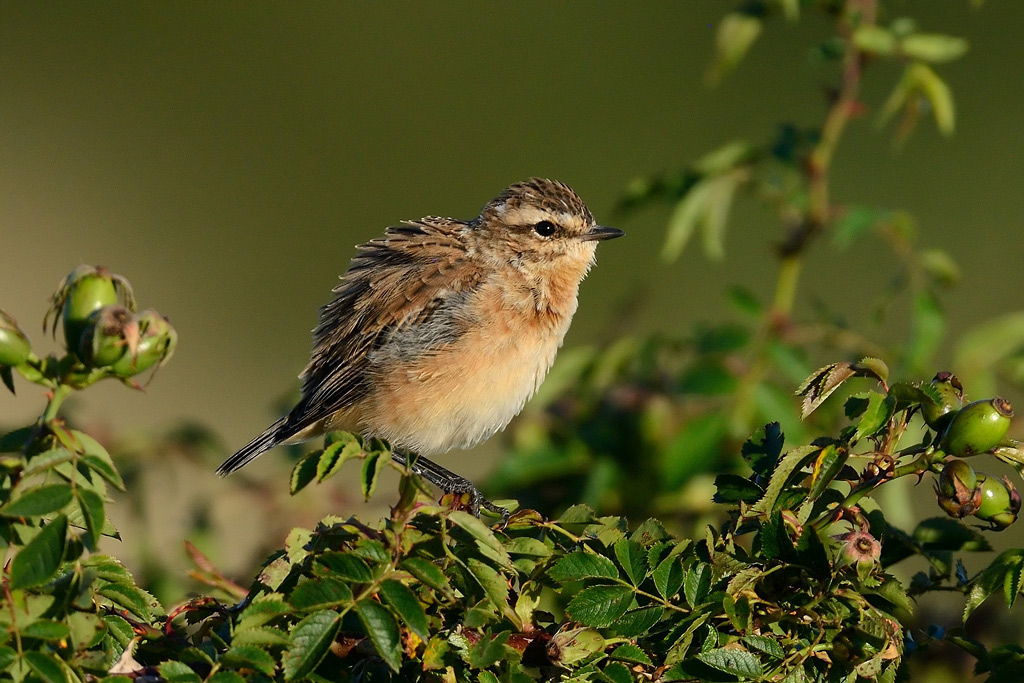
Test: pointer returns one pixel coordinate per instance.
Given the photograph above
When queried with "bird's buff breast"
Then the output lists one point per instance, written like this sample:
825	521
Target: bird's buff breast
464	393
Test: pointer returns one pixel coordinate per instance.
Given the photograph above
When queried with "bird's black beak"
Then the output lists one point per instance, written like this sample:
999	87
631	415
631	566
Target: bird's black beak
601	232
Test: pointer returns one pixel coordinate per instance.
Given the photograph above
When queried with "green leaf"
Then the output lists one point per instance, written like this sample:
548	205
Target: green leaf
249	657
697	584
820	385
628	652
260	636
427	572
668	576
321	593
617	672
580	565
346	565
262	609
733	661
39	559
525	545
769	646
488	651
105	469
337	454
380	625
486	541
44	461
311	639
38	501
304	472
178	672
91	505
827	465
45	666
404	602
732	488
792	461
373	465
633	558
8	656
494	584
132	598
600	606
636	622
225	676
46	629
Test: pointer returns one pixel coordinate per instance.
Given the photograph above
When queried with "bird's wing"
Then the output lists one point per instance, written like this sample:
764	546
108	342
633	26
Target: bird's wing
393	283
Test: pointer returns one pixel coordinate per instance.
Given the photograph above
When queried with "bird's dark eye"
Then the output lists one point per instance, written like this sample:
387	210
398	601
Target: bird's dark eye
544	228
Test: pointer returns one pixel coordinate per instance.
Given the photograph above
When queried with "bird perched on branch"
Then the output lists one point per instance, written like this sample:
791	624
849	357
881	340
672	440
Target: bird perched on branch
442	329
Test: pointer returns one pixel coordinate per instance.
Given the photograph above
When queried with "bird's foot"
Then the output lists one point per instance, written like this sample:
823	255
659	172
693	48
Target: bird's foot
451	483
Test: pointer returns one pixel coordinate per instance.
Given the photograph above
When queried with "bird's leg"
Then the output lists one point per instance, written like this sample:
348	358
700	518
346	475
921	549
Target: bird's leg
448	482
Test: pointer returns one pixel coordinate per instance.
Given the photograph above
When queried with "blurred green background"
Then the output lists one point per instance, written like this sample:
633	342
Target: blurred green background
225	157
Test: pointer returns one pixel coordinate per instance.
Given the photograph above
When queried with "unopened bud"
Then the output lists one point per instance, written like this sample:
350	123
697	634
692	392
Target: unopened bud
83	292
15	347
106	337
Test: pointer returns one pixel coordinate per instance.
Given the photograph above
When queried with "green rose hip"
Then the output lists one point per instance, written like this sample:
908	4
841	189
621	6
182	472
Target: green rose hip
1000	502
978	427
83	292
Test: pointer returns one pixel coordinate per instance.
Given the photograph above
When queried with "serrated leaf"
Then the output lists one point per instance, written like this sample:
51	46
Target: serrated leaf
249	657
580	565
600	606
373	465
820	385
765	644
38	501
668	576
525	545
382	628
494	584
346	565
130	597
617	672
633	558
44	461
260	636
105	469
336	454
321	593
733	661
487	651
91	505
427	572
732	488
637	622
261	610
224	676
628	652
790	462
403	601
37	562
178	672
697	584
828	463
311	639
486	541
303	473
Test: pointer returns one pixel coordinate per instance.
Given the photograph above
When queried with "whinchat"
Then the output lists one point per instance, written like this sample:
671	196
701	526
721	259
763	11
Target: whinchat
442	329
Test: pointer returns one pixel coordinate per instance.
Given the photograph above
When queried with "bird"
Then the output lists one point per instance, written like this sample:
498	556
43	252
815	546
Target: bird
441	330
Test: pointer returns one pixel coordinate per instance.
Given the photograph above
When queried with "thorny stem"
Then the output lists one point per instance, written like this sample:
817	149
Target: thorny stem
817	214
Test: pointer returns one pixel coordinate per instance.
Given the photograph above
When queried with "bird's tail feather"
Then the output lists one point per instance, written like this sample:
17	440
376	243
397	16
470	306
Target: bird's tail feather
252	450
